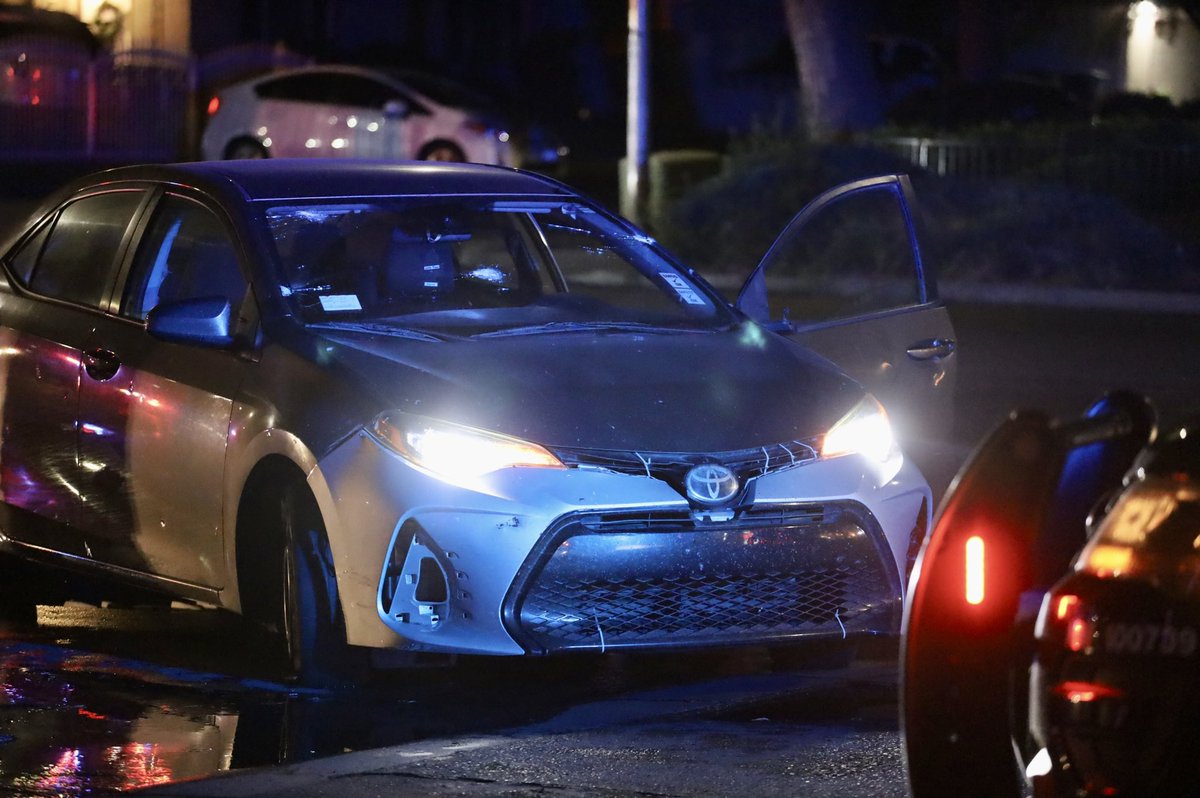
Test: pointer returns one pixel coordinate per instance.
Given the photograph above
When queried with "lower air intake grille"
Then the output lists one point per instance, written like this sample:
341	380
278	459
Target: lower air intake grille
813	573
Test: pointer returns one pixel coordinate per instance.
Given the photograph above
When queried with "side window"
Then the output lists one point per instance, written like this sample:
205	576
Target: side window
362	92
26	257
76	262
854	257
329	88
308	88
185	254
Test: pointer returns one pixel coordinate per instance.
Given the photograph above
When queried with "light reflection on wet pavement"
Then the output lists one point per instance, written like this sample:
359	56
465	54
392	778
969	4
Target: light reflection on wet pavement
113	700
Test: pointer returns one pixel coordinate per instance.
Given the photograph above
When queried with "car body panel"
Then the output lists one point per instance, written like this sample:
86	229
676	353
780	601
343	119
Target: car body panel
646	407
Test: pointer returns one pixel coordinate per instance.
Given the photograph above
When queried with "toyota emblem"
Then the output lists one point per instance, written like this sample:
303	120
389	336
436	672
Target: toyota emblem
711	483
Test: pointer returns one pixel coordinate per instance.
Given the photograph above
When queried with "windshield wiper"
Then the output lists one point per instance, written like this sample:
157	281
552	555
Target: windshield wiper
587	326
380	329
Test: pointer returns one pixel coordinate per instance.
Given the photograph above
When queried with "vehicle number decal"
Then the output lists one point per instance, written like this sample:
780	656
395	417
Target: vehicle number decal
335	302
1153	639
685	291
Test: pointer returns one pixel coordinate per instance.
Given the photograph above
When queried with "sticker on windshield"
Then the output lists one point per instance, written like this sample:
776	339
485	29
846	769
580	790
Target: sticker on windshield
685	291
335	302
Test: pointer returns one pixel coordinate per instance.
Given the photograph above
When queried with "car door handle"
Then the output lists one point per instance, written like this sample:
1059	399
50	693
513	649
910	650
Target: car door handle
101	364
932	349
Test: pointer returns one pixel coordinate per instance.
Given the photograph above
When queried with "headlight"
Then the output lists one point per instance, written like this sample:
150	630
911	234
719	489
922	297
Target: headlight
864	430
455	451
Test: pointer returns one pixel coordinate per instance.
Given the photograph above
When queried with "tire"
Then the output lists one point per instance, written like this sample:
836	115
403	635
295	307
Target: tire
313	630
441	150
244	150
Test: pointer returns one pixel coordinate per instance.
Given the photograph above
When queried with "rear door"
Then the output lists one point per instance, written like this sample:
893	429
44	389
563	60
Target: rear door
65	271
847	280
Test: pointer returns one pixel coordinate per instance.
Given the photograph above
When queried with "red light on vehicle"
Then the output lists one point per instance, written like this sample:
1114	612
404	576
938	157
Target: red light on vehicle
214	105
974	567
1079	634
1086	692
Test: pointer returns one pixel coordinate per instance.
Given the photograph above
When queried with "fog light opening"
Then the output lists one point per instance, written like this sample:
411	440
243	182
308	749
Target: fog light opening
432	587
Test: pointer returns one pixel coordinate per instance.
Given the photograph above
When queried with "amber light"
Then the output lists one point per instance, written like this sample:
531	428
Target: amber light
975	575
1108	561
1065	605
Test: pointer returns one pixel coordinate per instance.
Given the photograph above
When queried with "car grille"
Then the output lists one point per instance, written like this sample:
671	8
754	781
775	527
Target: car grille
611	582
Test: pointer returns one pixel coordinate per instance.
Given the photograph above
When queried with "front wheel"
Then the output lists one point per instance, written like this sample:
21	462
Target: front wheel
313	630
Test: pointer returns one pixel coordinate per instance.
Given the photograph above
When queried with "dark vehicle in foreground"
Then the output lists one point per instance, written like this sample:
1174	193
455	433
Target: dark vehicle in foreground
1056	614
449	408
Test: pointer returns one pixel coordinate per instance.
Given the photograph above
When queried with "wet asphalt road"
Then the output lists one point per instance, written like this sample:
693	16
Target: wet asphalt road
119	699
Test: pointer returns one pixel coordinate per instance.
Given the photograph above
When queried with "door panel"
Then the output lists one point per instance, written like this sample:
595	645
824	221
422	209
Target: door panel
153	462
847	280
40	372
918	393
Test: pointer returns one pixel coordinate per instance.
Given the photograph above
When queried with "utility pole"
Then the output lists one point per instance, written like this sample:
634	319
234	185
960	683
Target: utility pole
637	113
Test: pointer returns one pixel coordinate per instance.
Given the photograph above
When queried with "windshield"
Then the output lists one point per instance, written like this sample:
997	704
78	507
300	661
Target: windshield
472	265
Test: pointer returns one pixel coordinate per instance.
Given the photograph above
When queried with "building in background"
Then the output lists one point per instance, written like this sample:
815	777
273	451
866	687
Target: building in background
1162	55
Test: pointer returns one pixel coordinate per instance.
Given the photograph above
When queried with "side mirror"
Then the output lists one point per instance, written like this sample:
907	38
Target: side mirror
395	109
203	321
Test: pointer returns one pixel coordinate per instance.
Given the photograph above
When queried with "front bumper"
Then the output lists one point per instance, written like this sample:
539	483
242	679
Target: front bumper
540	560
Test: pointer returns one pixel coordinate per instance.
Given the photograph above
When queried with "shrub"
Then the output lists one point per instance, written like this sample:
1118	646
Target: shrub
996	231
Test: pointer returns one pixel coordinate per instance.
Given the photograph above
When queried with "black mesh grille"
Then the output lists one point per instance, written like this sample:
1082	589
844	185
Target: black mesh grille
819	574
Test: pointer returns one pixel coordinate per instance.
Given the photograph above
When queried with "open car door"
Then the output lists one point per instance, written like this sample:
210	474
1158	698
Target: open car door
846	279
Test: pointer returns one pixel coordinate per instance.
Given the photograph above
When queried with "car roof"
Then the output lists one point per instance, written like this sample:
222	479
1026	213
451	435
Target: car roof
275	179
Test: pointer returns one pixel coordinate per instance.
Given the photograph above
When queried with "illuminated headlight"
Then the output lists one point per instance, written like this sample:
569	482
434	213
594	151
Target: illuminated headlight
864	430
454	451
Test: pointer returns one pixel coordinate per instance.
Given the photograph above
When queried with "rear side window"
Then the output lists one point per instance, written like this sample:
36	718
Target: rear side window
76	259
329	88
25	259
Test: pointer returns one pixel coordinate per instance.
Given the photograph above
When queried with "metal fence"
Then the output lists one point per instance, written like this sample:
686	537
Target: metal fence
1146	173
58	101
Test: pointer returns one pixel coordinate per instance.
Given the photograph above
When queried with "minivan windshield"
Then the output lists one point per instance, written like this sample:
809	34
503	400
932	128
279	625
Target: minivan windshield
479	265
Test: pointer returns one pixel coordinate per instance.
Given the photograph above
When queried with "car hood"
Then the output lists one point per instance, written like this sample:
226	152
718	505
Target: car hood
677	392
